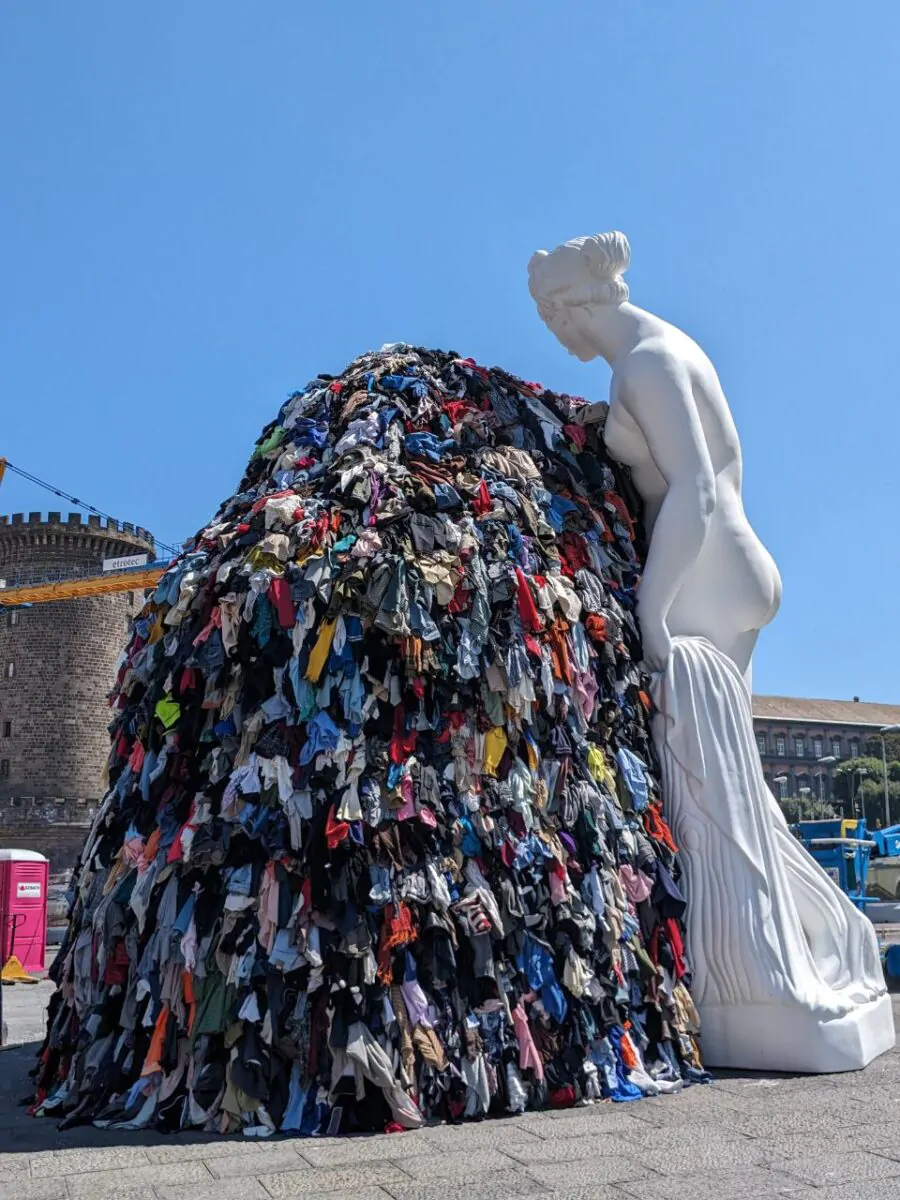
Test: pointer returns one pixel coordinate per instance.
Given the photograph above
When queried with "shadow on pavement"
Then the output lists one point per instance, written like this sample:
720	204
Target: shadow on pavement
21	1133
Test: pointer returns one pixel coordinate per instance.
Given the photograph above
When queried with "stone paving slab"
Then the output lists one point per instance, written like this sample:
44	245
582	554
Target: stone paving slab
882	1189
747	1136
283	1156
335	1152
743	1183
345	1180
227	1189
588	1172
496	1185
566	1150
19	1188
832	1168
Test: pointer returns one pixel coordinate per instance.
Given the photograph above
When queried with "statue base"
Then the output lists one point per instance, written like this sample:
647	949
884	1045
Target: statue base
786	970
784	1037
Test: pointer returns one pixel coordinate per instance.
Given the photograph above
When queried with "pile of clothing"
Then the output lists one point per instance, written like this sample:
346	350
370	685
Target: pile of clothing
383	840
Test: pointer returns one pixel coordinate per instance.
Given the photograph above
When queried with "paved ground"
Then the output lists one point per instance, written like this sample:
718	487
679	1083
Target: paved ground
811	1138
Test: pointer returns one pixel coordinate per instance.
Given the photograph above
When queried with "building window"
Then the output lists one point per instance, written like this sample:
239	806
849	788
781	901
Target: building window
131	599
799	745
7	728
12	618
780	745
10	670
761	743
854	747
4	768
836	747
818	747
782	789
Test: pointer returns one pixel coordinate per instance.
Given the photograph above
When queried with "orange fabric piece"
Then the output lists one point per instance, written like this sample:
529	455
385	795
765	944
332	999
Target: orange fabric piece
397	930
559	651
656	826
151	846
629	1056
190	999
151	1062
596	627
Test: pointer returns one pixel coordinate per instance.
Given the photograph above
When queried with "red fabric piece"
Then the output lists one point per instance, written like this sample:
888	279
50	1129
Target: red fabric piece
677	945
573	550
576	434
533	645
403	744
264	500
456	409
531	618
335	831
188	681
176	853
136	761
563	1097
117	965
280	596
462	598
482	502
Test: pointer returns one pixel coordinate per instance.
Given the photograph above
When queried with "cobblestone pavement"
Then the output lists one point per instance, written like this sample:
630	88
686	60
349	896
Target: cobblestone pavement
810	1138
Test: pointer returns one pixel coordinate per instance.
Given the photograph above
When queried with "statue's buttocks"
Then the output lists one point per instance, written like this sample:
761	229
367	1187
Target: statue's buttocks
787	972
734	587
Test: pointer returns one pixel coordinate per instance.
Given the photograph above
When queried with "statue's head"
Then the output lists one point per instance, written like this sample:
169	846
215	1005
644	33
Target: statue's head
568	282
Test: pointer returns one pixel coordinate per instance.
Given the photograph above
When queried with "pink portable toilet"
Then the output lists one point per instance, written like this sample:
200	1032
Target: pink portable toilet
24	876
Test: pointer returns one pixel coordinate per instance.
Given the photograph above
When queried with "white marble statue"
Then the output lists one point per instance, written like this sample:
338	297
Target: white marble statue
787	974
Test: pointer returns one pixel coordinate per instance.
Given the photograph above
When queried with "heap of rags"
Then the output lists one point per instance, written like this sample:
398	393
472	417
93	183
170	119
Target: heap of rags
383	840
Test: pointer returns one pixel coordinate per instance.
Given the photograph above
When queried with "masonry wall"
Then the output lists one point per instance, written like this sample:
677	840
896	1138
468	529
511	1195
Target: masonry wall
54	828
57	666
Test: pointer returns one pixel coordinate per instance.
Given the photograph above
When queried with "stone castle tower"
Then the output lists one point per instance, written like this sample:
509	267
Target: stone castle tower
58	660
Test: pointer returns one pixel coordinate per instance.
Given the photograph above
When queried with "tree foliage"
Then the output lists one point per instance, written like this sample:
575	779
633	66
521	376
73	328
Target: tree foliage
861	780
799	808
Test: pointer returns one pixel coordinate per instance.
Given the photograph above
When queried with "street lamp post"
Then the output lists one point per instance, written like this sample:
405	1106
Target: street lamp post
825	761
860	771
887	794
804	791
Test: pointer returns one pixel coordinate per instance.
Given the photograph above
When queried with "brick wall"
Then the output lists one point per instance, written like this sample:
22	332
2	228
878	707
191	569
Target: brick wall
54	828
53	708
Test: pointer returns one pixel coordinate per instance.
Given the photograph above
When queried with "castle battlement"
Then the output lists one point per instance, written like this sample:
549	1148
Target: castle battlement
74	522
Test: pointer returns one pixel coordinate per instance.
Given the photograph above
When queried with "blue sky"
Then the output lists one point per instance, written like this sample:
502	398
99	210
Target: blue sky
204	204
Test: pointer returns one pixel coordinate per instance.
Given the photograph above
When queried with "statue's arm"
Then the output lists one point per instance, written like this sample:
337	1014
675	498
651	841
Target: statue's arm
655	390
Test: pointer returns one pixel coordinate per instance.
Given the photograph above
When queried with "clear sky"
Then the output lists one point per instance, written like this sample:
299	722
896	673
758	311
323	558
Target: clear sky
205	203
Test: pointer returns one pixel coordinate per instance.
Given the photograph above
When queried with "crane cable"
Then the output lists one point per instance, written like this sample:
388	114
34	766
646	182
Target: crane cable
172	551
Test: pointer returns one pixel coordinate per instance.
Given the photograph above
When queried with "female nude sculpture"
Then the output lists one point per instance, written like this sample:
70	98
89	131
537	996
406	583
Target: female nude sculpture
787	974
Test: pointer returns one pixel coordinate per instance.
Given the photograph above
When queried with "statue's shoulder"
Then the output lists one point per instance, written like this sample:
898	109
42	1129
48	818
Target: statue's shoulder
654	359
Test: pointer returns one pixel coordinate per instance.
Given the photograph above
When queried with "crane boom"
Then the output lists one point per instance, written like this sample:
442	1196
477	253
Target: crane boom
75	589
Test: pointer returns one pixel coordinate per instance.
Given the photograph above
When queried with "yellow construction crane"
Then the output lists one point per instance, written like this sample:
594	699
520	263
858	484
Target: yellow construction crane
42	592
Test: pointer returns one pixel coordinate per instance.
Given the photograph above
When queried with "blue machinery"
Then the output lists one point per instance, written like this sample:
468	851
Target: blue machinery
842	849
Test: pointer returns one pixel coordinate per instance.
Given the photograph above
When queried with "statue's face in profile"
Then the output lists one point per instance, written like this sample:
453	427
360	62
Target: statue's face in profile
571	326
